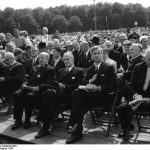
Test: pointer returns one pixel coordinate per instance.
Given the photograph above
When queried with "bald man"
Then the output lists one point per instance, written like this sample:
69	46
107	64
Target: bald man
100	81
68	79
14	75
3	67
29	95
139	88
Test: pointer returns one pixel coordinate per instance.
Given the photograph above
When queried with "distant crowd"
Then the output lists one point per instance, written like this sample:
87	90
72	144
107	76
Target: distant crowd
76	71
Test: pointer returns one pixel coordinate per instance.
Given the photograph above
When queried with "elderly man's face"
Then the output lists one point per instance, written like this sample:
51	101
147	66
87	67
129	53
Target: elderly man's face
68	61
1	38
9	47
43	59
97	55
134	50
34	52
8	60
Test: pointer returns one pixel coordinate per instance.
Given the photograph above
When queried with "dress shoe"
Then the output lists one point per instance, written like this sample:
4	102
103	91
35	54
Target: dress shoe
131	127
26	124
74	137
122	134
16	125
43	132
75	128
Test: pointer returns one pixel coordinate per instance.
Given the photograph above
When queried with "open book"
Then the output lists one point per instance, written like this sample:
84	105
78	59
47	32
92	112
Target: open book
136	103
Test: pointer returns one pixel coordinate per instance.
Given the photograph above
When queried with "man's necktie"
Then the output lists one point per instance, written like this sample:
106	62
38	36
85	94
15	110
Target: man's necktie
96	69
33	61
147	80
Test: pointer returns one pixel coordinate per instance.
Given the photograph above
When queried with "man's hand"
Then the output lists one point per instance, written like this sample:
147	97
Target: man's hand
61	86
92	87
2	78
93	78
138	97
119	75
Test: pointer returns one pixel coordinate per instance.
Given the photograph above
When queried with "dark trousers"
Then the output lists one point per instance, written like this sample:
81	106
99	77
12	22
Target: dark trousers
50	103
125	113
83	100
25	100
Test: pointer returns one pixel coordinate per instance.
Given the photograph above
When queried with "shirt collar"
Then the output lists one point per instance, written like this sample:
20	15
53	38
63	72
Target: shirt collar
98	66
70	68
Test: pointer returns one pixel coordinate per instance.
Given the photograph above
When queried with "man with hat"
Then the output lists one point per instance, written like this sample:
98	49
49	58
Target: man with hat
132	38
94	41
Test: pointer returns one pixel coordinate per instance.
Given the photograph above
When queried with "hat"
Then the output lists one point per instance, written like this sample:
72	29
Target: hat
127	42
42	45
45	28
142	37
132	36
95	40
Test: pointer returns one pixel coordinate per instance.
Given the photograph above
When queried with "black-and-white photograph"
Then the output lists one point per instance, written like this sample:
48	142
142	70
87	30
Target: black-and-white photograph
74	73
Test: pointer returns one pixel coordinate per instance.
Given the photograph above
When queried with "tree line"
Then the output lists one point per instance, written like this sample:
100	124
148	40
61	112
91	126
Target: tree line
76	18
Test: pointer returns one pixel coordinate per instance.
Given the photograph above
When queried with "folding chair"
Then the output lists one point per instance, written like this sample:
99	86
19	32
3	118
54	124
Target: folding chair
111	111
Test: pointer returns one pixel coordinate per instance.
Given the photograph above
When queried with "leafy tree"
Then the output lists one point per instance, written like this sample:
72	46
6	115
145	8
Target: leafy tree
75	23
60	23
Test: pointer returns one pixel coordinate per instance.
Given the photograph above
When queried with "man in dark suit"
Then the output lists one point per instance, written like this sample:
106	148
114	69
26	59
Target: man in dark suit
139	88
68	79
33	61
27	98
57	61
13	76
126	57
113	54
85	60
100	80
3	67
135	52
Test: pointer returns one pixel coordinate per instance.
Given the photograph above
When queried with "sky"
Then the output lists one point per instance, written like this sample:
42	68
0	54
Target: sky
17	4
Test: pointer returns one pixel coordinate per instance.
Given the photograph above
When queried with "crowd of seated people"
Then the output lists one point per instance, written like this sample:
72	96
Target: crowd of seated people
74	69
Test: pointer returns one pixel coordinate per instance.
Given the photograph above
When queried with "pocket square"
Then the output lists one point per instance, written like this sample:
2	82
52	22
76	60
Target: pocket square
73	78
102	75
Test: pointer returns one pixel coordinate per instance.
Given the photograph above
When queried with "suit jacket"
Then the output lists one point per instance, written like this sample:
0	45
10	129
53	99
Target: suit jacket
30	65
41	75
85	62
14	76
3	68
138	80
128	73
60	64
124	61
115	55
71	80
106	77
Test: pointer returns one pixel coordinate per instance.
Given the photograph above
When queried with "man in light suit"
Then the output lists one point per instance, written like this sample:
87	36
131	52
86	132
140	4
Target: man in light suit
101	79
139	88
